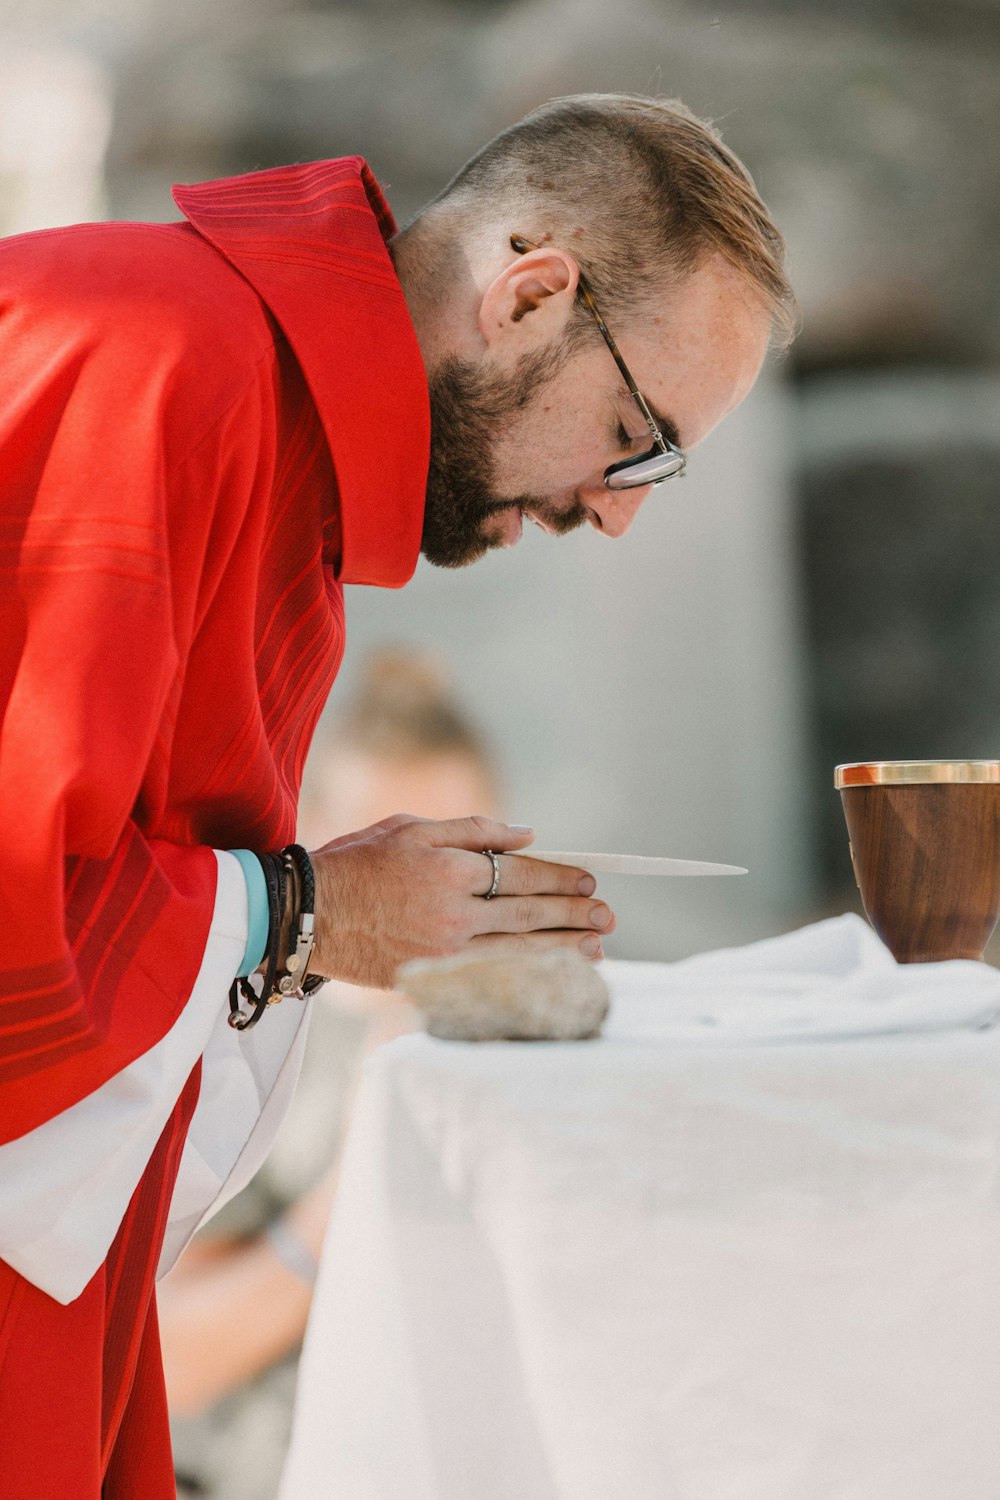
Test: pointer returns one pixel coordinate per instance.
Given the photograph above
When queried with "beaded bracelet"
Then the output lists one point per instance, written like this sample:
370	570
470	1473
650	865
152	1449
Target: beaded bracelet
291	897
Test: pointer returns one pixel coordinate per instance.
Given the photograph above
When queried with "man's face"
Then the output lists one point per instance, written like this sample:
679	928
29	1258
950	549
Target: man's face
534	437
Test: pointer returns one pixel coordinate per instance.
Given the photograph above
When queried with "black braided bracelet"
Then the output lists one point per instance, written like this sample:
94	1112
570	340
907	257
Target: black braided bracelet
295	980
291	899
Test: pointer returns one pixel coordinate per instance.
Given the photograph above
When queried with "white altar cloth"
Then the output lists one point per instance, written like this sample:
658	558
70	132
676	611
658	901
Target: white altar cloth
746	1246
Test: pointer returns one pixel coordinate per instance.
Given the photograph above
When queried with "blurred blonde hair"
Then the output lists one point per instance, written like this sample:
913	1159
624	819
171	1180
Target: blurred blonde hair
404	708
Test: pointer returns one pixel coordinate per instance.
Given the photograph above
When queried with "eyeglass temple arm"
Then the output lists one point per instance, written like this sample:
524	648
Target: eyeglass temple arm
520	244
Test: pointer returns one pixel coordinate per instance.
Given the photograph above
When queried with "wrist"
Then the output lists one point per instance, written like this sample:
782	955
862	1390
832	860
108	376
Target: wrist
285	969
323	961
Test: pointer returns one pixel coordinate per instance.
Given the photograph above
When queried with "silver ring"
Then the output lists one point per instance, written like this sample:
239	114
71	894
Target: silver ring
488	895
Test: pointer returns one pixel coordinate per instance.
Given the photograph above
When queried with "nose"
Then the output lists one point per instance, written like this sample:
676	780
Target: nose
613	511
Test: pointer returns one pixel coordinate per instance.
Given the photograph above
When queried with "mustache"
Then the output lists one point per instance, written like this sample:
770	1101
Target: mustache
561	520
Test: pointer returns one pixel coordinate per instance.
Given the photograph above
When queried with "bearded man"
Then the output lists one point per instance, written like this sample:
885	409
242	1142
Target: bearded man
208	428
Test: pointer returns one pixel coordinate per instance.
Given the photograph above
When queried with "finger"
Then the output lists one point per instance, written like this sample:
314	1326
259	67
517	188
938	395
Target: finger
520	875
588	945
476	832
539	913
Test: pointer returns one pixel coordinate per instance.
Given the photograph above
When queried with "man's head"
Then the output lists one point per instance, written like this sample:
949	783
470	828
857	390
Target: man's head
528	408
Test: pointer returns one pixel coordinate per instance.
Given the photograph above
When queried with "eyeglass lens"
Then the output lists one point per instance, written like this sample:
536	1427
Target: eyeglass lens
651	467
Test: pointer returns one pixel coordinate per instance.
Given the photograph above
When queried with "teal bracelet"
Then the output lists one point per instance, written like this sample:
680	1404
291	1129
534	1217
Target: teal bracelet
258	908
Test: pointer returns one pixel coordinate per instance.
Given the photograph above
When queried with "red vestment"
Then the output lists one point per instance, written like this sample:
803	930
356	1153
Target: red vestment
206	429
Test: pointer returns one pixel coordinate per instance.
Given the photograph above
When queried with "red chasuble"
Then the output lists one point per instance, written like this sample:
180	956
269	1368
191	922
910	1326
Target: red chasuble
206	429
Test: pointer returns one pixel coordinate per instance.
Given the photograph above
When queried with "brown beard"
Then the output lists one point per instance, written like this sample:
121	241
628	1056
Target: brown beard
469	408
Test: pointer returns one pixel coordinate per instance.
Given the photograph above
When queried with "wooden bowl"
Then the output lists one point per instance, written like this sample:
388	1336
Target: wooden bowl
925	844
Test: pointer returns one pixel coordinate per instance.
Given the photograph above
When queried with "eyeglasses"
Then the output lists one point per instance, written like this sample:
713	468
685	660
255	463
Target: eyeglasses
663	460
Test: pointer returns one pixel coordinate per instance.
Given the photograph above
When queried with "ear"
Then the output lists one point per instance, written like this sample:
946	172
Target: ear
531	299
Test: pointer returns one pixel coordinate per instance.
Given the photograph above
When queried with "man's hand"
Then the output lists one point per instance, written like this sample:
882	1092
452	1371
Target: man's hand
410	888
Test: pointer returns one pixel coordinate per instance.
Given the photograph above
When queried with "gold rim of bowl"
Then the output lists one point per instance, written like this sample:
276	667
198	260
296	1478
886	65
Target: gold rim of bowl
899	772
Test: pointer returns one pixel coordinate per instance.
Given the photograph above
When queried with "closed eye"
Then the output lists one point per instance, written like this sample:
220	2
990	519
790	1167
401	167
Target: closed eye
625	439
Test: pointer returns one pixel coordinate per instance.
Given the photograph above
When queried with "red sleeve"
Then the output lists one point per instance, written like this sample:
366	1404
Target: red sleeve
103	555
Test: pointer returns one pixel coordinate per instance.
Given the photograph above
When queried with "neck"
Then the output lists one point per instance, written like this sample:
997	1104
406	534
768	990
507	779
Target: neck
438	285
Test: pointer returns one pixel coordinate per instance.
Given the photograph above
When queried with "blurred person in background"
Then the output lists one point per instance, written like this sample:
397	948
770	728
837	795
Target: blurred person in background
233	1310
207	429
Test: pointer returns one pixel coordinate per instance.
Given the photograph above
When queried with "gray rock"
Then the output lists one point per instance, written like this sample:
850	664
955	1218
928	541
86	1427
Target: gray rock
554	995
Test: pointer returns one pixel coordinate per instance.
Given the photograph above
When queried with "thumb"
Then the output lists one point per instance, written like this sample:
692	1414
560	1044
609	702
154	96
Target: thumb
477	833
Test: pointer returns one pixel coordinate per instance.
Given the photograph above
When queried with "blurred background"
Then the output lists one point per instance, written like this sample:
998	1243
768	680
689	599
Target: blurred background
825	584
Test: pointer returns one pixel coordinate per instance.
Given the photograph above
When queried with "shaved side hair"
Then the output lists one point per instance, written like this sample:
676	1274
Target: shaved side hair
638	190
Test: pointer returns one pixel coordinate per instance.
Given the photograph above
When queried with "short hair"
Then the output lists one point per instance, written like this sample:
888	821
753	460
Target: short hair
638	189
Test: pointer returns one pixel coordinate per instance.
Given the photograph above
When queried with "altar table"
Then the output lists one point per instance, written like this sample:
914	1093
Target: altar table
744	1246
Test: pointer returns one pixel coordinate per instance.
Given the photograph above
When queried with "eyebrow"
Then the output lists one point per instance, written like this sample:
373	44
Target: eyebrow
665	424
